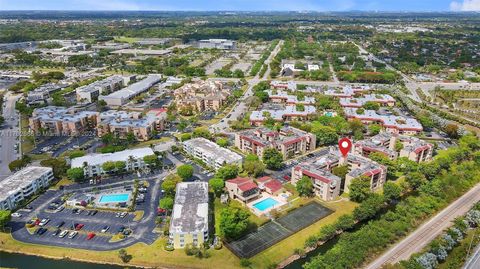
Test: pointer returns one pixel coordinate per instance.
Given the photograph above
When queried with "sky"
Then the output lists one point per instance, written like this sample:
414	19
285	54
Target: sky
244	5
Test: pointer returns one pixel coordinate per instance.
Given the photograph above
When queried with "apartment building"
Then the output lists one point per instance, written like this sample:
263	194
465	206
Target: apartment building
347	91
42	93
210	153
391	123
23	184
326	185
126	94
92	163
189	221
242	189
283	85
91	92
279	96
222	44
284	114
201	96
411	147
62	121
122	123
357	102
289	141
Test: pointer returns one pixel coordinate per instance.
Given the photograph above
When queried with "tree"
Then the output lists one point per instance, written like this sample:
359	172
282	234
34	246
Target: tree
233	222
108	166
131	138
217	185
345	222
374	129
202	132
305	187
452	130
340	171
59	166
370	105
227	172
185	136
415	180
151	160
222	142
254	168
391	191
272	158
325	135
76	173
359	189
170	183
120	165
124	256
185	171
398	146
166	203
5	216
356	127
369	208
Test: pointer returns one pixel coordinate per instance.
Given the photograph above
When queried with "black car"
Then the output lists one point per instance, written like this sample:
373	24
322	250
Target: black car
89	213
94	212
60	224
74	211
56	232
40	231
121	229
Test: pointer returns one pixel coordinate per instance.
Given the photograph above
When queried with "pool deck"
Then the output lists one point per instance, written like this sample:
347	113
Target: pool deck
111	204
280	202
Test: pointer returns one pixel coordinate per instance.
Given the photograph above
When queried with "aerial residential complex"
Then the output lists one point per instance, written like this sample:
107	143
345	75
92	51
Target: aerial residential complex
391	123
326	185
289	141
124	95
92	163
122	123
411	147
210	153
242	189
201	96
23	184
279	96
41	94
282	114
382	99
91	92
62	121
190	221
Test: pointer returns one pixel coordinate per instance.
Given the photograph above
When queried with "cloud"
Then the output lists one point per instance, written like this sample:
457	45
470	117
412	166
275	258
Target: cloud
466	5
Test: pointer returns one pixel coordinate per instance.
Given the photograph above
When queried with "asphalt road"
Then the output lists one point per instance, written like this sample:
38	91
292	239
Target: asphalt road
417	240
9	135
474	261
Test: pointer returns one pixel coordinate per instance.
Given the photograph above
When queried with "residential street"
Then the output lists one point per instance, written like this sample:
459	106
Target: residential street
428	231
9	135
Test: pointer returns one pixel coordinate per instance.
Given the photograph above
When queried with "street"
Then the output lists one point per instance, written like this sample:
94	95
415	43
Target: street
417	240
10	134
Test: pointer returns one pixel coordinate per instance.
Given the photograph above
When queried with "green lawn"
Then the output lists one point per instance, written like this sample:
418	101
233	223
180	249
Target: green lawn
125	39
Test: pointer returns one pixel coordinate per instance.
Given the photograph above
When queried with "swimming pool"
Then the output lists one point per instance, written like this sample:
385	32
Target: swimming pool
265	204
114	198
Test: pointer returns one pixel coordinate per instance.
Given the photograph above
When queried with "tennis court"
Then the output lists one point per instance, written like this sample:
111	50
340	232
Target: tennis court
274	231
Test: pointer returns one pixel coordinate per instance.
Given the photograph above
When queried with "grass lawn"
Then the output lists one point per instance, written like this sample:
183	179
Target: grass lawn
150	142
62	182
27	141
234	203
138	215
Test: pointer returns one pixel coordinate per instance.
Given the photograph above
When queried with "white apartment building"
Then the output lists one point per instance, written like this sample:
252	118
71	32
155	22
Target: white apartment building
210	153
23	184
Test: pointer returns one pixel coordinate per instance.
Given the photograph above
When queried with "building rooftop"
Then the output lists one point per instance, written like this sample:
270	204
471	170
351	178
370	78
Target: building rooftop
387	120
135	88
190	211
279	114
127	119
244	184
360	101
209	147
291	99
98	159
100	84
264	136
21	179
64	114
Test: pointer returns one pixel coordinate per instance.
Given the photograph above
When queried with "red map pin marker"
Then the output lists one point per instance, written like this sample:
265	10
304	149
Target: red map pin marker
344	145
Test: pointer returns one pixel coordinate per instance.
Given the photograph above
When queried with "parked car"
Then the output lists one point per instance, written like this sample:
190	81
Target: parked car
79	226
72	234
94	212
40	231
121	229
79	211
105	228
123	214
60	224
74	211
16	215
90	236
56	232
118	214
63	234
44	222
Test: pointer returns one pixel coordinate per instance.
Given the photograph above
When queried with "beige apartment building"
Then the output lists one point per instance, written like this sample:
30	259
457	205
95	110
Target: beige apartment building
62	121
201	96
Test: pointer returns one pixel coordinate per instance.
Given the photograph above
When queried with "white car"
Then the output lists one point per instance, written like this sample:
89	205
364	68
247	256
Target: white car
105	229
63	234
43	222
72	234
16	215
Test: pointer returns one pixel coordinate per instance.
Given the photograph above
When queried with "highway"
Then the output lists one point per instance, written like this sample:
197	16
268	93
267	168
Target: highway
9	135
474	261
417	240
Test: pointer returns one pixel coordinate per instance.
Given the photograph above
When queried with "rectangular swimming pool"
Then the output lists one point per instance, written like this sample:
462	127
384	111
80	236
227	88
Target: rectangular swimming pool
114	198
265	204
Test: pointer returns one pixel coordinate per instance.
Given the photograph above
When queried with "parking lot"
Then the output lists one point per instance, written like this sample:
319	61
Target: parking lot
89	226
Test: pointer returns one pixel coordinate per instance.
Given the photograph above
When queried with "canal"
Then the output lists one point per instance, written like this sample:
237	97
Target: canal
22	261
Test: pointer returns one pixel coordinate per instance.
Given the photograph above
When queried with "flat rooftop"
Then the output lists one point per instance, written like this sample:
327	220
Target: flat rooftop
124	155
212	148
190	211
135	88
21	179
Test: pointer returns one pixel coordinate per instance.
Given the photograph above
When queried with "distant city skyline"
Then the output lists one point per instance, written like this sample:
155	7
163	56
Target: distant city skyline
244	5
